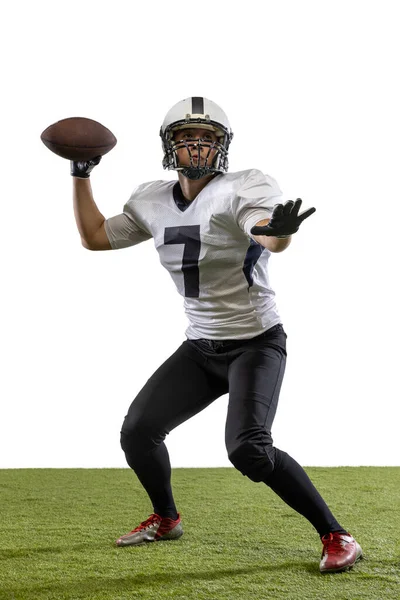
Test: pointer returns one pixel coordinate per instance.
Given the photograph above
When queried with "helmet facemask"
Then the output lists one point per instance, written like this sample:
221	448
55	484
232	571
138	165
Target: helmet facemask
196	113
198	167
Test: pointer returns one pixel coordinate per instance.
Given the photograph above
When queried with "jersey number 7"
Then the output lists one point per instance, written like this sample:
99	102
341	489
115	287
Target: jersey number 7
189	235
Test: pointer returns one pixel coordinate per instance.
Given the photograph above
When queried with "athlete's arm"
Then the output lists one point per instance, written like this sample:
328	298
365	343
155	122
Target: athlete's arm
88	218
273	244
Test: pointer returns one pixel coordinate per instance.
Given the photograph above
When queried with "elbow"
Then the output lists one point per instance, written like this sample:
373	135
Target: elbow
86	245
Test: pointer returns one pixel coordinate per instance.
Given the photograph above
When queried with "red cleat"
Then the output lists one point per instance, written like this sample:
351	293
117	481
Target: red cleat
154	529
340	552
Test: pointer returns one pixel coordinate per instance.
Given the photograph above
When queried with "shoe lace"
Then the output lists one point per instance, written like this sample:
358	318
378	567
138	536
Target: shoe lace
147	523
332	543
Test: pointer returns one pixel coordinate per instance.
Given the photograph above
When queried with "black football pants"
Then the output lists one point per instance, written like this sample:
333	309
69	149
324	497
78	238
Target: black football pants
198	373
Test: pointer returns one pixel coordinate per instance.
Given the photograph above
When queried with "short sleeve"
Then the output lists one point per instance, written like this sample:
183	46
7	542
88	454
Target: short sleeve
122	231
255	200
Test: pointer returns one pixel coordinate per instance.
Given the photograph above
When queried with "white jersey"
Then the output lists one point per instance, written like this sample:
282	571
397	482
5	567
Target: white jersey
206	246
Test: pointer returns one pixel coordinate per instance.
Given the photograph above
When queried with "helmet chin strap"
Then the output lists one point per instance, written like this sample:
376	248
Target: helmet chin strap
195	172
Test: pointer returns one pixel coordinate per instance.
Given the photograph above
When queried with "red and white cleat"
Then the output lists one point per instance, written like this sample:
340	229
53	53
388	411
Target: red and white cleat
154	529
340	552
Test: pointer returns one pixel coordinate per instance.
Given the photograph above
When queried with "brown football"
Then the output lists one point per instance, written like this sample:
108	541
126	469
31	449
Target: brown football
78	138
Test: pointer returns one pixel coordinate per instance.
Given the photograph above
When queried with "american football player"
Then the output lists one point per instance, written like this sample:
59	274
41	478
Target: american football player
214	232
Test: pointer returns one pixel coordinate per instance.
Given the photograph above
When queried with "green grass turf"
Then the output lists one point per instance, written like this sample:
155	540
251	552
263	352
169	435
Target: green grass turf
58	528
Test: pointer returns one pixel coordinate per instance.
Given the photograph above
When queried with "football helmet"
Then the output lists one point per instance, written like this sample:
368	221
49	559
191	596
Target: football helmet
201	113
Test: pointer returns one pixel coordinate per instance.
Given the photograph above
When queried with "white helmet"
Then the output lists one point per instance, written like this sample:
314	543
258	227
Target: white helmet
208	115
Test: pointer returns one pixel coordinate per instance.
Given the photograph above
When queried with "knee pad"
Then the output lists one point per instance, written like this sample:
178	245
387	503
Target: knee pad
134	433
254	462
125	441
140	440
135	448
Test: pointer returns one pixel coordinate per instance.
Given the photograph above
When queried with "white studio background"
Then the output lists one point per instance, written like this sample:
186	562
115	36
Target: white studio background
312	95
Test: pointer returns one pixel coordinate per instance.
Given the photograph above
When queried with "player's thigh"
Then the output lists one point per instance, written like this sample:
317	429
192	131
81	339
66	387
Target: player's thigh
180	388
255	379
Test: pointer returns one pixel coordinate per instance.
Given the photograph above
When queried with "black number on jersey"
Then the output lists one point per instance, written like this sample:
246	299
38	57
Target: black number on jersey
189	235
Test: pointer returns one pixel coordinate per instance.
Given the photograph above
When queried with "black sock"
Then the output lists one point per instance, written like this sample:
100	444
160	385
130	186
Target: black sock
166	514
292	484
154	473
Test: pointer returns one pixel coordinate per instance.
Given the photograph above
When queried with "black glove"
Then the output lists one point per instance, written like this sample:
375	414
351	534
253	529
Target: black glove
83	168
285	220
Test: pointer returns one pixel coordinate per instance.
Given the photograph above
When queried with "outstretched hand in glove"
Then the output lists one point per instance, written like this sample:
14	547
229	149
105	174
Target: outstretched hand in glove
285	220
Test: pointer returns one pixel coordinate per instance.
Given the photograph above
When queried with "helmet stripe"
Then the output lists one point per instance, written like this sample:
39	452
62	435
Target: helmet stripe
197	105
